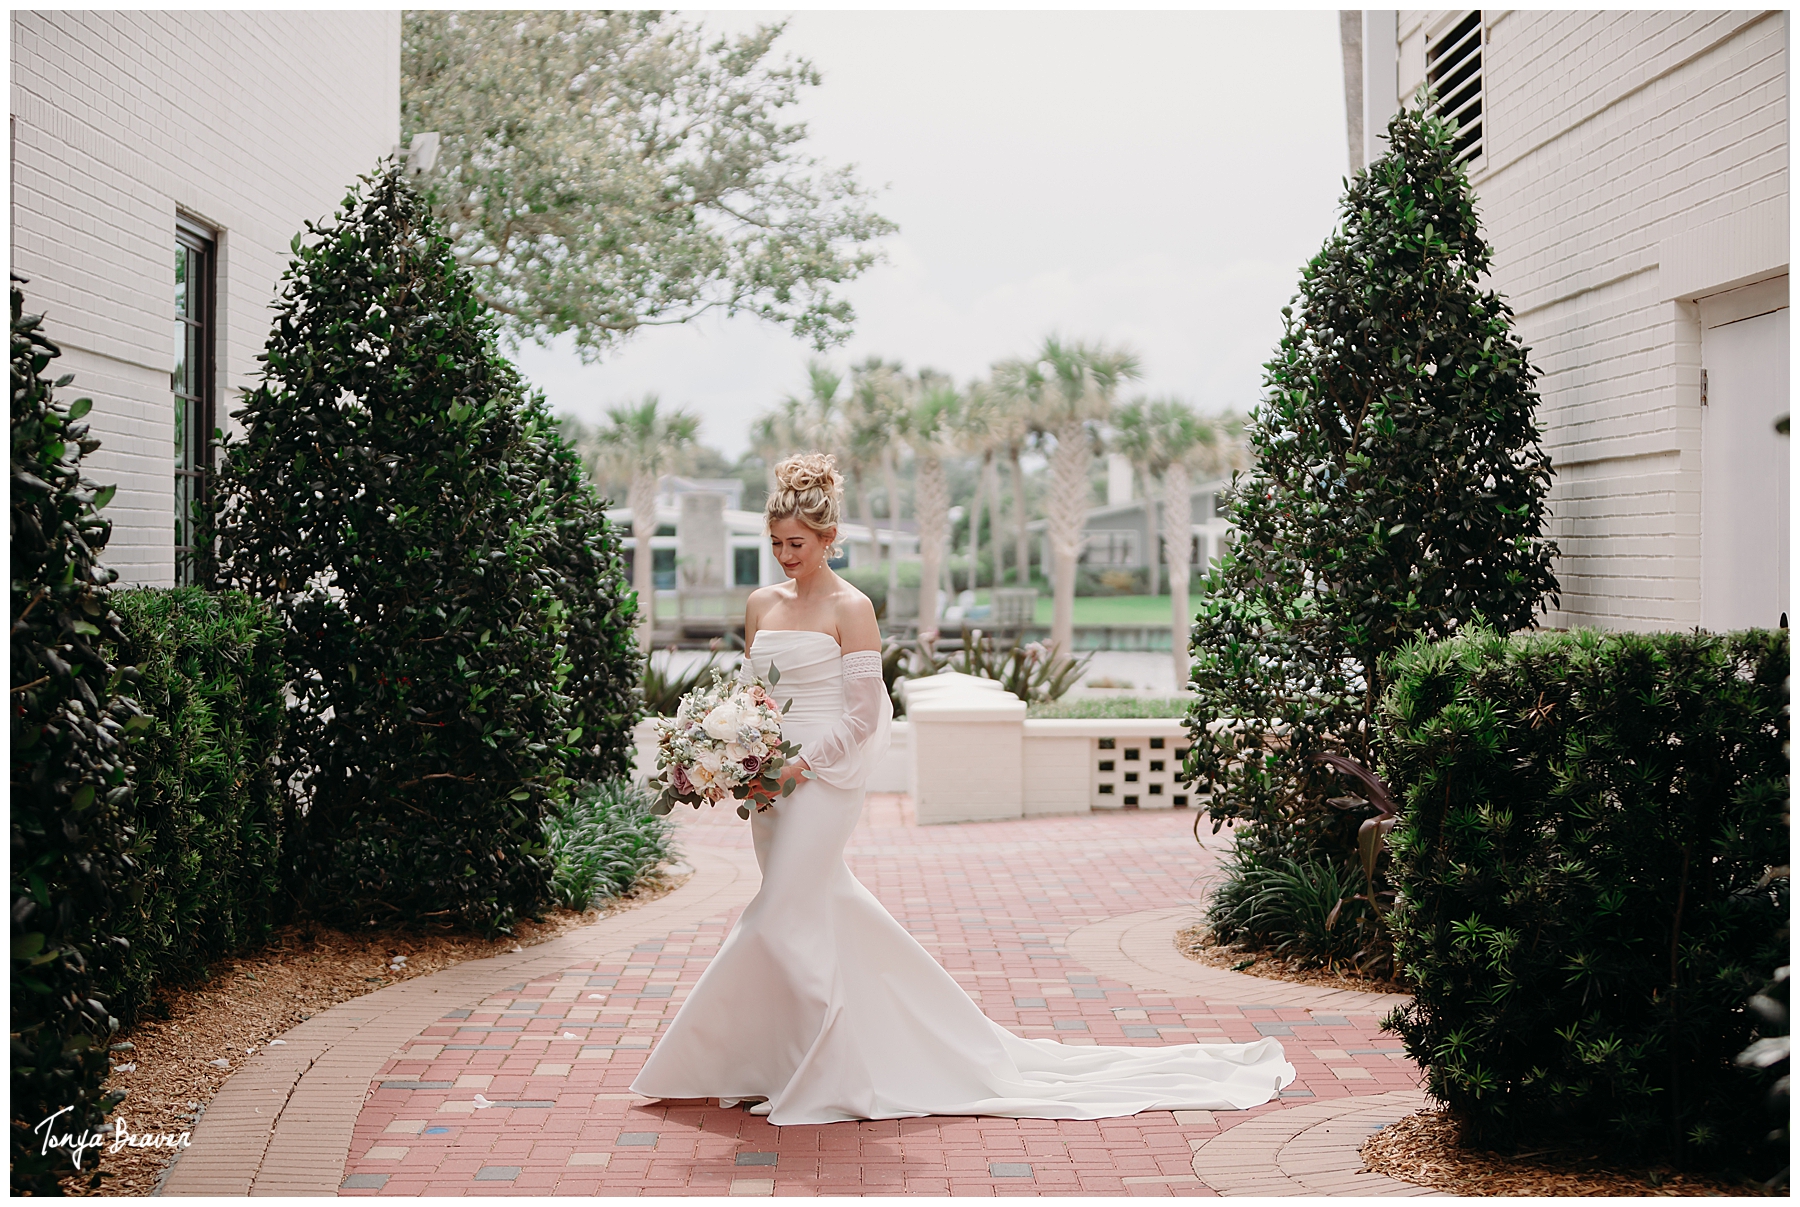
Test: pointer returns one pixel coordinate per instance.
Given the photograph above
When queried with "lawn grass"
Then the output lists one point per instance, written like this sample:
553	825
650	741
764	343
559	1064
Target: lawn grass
1106	609
1111	708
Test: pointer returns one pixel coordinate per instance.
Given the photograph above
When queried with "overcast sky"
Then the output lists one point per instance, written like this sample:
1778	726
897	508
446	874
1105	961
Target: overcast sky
1155	179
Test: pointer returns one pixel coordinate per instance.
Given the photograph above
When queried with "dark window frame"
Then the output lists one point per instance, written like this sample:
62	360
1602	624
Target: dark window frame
741	554
197	418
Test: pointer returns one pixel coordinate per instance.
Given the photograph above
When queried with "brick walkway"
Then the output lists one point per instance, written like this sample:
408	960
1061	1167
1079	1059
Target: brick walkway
512	1074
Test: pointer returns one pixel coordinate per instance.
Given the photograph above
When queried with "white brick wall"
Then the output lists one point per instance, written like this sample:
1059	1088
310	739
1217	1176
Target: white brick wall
1634	161
251	123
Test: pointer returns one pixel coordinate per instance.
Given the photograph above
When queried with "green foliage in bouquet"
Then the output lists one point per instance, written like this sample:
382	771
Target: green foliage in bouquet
1399	491
71	775
389	498
1592	863
605	839
209	816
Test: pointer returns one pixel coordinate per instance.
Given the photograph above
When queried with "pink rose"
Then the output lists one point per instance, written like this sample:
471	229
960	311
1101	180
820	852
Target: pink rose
751	764
678	779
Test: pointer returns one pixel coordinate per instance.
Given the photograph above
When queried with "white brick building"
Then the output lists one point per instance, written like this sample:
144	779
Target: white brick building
233	127
1631	172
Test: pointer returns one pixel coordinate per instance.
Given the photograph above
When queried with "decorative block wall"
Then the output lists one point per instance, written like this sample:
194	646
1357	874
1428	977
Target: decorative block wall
1139	773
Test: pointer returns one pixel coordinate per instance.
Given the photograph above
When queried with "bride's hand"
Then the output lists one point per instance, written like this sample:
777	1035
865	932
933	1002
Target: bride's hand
790	774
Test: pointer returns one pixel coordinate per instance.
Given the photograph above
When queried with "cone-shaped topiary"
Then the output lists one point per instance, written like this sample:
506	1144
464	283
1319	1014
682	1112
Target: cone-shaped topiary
70	773
387	498
1399	491
592	584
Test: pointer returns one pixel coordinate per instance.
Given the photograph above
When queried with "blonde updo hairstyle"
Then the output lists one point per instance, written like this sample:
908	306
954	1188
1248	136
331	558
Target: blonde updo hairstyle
808	488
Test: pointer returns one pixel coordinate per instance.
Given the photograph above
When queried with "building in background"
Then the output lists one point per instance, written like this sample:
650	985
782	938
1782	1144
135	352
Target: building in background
162	163
1117	536
1631	173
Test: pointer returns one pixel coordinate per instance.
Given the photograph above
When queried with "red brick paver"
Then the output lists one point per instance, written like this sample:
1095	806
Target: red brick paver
554	1053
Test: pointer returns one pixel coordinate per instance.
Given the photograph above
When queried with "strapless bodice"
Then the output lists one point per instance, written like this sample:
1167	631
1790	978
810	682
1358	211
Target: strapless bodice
812	673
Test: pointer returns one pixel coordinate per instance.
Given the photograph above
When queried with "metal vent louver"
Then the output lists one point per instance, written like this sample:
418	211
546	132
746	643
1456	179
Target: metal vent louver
1453	67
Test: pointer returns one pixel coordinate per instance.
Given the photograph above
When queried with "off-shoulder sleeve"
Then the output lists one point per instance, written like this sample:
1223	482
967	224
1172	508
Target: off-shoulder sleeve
845	757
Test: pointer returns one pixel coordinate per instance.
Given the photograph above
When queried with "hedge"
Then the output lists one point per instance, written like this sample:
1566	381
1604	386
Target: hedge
71	771
208	814
1592	873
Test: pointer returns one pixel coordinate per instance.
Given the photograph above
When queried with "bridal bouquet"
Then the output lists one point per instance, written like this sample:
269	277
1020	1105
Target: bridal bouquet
724	740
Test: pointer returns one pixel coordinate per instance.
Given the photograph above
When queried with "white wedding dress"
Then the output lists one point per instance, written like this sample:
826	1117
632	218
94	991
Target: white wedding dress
821	1003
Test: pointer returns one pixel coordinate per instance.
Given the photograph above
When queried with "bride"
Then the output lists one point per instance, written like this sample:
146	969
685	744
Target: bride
819	1005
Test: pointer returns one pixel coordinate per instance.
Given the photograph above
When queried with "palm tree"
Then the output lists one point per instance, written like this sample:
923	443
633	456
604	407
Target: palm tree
642	443
816	421
981	429
1163	439
932	431
1015	427
1070	386
878	394
866	423
776	432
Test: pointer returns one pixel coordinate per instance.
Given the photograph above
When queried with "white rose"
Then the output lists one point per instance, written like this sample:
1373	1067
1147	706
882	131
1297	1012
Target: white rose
710	760
723	722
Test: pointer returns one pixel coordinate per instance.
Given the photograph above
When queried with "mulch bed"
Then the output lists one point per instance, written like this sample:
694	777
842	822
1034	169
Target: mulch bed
1196	943
1426	1149
251	999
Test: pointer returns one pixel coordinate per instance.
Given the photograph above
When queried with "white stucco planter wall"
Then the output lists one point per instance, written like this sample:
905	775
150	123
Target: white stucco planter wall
966	752
894	772
967	749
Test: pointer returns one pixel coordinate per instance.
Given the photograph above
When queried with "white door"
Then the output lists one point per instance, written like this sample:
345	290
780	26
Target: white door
1744	469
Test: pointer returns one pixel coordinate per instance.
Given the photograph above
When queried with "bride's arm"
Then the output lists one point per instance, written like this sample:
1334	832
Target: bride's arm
857	628
842	757
845	754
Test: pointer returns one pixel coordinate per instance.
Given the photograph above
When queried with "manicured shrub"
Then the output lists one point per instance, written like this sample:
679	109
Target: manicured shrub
1399	490
388	499
586	561
1592	872
71	771
208	814
604	840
